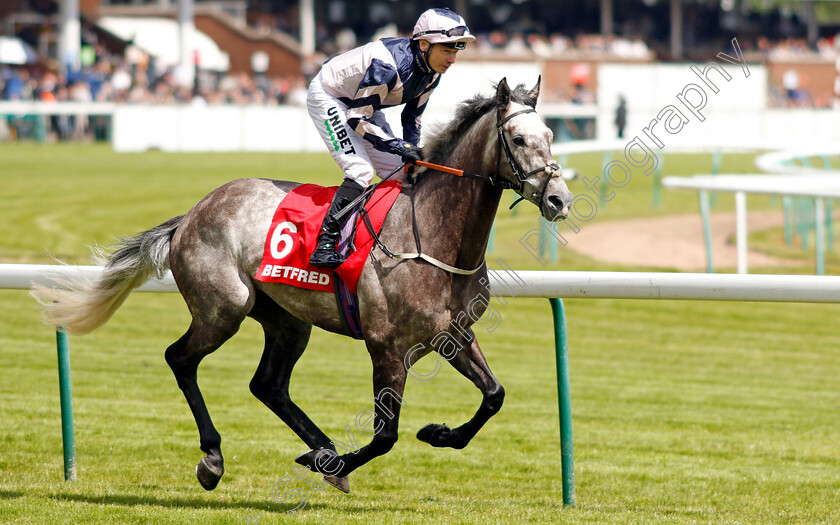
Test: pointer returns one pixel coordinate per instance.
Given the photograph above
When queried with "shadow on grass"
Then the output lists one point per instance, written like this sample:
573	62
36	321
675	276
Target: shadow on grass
197	503
11	494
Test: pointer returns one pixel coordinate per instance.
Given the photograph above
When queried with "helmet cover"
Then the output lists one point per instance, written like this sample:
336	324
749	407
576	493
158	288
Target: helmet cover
442	26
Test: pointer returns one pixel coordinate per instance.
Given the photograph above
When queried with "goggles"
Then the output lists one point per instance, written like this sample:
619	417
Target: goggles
455	31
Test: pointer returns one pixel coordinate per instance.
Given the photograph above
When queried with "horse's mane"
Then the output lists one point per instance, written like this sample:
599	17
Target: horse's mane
443	141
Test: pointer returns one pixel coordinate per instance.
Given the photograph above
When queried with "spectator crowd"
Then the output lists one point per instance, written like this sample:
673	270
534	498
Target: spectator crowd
114	79
137	78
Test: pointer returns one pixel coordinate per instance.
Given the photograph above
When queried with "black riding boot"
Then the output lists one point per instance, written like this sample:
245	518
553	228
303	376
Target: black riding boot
326	253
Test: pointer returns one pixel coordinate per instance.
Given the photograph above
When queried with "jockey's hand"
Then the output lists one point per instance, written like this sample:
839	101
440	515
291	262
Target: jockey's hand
411	153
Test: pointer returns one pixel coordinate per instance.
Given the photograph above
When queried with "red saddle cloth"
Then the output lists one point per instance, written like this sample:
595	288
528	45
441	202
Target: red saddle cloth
294	234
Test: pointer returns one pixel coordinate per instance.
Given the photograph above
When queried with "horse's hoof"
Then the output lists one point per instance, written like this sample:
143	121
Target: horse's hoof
431	432
342	483
307	459
323	466
208	474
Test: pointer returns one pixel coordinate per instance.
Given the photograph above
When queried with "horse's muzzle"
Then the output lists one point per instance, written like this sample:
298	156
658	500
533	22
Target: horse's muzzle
556	200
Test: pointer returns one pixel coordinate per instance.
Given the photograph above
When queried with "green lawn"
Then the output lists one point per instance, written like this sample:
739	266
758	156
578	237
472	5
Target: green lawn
684	412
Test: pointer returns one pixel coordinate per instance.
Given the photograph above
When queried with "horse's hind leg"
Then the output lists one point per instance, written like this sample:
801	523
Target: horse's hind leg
183	358
471	363
218	300
286	338
205	260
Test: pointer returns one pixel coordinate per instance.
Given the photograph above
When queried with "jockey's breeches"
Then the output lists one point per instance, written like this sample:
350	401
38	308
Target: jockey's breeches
355	156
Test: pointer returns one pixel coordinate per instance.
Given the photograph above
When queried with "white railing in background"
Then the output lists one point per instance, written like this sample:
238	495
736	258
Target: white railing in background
225	128
288	128
782	162
550	284
22	107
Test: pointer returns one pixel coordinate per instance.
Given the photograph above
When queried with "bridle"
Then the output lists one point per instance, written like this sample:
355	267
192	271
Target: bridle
521	177
520	174
520	188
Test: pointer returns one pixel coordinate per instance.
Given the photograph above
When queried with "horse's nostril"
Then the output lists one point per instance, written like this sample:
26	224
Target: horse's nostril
556	202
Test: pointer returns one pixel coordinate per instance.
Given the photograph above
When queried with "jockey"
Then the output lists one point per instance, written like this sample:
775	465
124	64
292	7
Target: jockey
345	98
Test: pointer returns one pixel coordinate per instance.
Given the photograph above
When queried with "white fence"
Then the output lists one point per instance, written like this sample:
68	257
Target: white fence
228	128
736	116
550	284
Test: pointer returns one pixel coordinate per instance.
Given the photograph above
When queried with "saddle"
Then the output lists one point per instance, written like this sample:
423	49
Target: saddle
293	235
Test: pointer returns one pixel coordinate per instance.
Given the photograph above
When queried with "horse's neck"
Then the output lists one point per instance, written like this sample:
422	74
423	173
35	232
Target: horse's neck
458	212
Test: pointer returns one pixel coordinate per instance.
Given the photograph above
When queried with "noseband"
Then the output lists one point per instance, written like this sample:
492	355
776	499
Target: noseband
520	174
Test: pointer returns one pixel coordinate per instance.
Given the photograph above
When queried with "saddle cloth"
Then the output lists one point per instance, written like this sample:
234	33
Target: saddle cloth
294	232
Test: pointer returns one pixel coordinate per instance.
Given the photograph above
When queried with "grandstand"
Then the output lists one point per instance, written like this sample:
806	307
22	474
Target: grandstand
256	52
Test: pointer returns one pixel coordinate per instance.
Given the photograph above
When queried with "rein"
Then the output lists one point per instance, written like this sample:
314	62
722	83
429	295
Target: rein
419	253
520	174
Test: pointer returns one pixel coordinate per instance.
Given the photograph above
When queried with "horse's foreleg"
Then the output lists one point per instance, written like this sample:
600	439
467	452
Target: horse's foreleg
183	358
388	386
471	363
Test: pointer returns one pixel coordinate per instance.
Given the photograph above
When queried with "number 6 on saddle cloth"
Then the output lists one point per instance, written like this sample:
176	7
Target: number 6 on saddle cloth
293	235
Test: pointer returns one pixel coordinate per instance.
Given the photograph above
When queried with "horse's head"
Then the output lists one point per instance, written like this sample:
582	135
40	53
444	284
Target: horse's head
525	141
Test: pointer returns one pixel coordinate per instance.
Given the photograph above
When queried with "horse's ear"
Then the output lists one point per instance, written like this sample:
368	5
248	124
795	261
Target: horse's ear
503	93
535	91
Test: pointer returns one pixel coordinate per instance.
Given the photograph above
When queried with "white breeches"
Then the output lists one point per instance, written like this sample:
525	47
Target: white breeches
355	156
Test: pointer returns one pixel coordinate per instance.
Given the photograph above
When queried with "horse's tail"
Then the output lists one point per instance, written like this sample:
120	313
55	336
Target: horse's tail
79	305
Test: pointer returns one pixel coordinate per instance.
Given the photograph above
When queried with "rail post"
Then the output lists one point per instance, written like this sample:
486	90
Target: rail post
705	214
65	391
564	402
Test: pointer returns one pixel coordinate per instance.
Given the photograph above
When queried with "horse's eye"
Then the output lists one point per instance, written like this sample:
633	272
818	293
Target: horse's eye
518	140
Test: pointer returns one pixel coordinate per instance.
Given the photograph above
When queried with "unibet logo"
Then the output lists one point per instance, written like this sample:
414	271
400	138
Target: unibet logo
338	135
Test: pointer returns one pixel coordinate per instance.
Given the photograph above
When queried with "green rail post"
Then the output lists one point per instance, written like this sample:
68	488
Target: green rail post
66	393
806	223
554	248
789	219
819	234
563	160
717	160
564	402
553	243
705	213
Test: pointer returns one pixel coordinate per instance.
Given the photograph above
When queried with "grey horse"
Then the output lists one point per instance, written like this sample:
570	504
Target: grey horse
215	249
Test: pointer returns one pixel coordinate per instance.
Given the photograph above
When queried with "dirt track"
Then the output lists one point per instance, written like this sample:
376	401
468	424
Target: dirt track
674	242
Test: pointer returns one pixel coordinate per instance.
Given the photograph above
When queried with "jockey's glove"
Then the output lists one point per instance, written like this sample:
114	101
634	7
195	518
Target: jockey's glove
410	153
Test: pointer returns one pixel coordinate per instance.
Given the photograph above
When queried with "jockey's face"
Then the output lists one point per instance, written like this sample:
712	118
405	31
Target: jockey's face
441	57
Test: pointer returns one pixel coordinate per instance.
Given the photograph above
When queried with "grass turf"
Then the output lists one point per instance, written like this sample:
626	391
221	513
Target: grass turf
684	412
